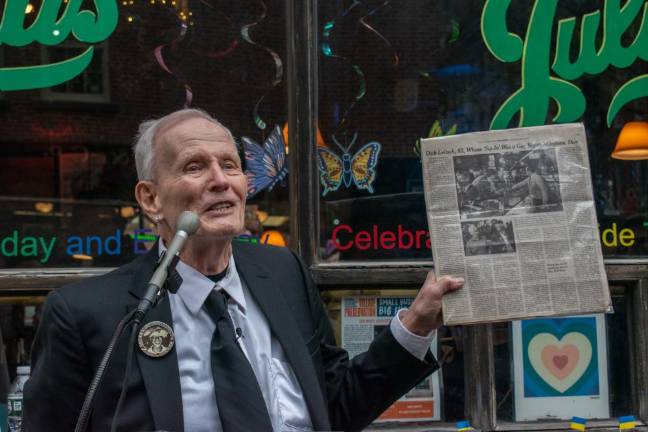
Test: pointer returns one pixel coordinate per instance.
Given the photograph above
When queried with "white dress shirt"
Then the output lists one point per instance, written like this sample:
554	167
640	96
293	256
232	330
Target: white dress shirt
193	333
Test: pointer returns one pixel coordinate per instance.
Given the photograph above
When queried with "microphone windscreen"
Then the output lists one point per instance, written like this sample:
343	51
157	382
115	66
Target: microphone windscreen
188	222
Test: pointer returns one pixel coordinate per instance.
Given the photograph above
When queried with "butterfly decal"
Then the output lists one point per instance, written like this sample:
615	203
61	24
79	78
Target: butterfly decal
435	131
266	165
359	169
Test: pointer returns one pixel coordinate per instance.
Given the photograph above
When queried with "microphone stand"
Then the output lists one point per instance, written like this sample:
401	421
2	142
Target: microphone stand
133	317
138	316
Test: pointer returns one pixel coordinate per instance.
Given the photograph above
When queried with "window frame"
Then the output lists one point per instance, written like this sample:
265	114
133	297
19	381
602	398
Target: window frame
53	96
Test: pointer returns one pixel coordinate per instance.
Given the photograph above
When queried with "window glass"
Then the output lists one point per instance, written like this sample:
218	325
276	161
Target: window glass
358	316
68	125
391	73
557	368
19	318
89	85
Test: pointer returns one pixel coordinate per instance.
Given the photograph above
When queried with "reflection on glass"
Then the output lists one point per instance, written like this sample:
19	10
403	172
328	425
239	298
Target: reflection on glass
451	359
19	318
65	157
391	73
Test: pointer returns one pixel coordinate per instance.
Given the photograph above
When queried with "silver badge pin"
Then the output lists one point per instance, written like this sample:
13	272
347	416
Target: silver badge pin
156	339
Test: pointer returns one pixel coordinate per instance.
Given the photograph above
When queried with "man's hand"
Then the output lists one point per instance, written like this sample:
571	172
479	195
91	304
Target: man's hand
425	315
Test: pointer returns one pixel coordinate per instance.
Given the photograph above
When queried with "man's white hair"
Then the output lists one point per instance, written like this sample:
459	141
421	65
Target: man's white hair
143	148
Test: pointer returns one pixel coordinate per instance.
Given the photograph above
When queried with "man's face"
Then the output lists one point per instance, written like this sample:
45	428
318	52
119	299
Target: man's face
196	167
156	338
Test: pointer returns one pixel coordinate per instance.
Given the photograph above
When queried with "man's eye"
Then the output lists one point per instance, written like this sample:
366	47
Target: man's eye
192	167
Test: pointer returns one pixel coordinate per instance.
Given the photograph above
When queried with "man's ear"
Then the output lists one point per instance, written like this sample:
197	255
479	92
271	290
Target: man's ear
147	197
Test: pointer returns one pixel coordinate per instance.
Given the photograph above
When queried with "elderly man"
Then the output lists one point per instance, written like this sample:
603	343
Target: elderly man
253	350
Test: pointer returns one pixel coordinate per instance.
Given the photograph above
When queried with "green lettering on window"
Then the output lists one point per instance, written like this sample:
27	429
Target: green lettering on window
539	87
50	27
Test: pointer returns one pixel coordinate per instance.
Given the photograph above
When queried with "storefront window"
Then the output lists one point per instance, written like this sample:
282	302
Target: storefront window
66	134
391	74
358	316
558	368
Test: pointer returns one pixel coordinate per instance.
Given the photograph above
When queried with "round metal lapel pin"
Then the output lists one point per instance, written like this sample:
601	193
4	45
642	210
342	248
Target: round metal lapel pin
156	339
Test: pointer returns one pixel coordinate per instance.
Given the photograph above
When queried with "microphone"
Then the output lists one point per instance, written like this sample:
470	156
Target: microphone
188	223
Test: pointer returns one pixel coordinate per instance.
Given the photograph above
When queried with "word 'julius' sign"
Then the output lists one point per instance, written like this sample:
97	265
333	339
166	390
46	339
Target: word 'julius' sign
599	46
52	26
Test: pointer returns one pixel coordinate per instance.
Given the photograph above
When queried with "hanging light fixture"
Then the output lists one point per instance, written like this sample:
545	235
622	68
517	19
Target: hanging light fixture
632	143
318	137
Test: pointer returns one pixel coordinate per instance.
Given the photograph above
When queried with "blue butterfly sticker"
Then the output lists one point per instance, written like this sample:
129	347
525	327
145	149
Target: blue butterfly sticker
359	169
266	166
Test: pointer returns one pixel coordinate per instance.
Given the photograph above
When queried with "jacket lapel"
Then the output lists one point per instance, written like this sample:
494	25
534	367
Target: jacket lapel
160	375
285	329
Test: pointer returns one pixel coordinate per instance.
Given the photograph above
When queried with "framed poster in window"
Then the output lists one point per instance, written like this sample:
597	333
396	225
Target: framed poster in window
560	368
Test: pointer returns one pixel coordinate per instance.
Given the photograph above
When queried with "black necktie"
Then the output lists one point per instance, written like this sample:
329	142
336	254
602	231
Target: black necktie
240	402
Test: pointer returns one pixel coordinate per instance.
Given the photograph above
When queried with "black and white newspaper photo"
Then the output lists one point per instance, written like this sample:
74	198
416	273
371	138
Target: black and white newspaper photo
489	236
499	184
512	211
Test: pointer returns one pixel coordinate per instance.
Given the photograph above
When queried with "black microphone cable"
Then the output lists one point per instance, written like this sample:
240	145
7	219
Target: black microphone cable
82	421
129	365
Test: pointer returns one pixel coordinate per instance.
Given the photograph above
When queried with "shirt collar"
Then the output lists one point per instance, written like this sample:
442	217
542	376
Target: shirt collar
196	287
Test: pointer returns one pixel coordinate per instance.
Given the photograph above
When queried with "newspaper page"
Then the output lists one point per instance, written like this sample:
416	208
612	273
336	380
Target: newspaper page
512	211
363	318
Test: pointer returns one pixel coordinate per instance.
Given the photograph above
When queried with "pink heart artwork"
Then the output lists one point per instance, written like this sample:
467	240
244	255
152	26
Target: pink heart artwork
560	362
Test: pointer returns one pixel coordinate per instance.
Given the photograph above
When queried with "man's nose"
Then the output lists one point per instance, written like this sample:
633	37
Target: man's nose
218	180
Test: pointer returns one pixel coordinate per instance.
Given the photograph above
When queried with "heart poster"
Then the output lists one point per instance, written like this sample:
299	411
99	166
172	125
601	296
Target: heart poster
560	368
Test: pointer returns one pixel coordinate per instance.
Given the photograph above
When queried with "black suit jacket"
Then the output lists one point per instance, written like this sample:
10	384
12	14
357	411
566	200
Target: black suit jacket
79	319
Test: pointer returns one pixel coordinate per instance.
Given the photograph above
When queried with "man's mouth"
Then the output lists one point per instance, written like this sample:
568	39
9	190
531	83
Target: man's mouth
220	207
